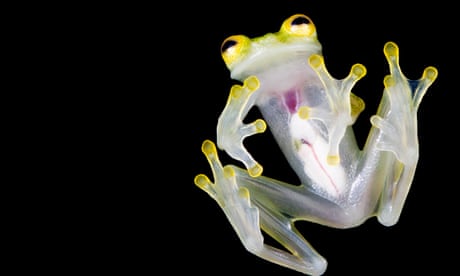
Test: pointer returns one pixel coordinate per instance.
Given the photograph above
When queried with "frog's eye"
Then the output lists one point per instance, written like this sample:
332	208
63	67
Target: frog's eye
233	47
298	24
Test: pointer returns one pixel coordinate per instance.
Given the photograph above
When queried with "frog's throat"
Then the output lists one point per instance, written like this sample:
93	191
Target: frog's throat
259	60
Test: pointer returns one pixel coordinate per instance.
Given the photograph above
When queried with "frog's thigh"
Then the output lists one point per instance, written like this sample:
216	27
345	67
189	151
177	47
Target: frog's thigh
271	197
296	202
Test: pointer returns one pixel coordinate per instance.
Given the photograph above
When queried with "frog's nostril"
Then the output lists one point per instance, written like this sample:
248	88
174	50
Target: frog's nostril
227	44
300	20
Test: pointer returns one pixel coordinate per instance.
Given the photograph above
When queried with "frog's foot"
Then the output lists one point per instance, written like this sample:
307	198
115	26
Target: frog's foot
231	130
248	218
233	200
340	108
398	115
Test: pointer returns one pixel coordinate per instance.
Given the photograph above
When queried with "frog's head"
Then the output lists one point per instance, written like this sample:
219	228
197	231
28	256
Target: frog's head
296	40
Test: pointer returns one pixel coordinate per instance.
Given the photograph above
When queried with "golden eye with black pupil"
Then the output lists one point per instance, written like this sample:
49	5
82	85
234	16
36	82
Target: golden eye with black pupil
227	44
298	25
234	47
300	20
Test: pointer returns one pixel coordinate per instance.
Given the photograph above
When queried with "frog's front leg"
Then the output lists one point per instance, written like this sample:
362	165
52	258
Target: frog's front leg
397	122
231	130
342	107
234	189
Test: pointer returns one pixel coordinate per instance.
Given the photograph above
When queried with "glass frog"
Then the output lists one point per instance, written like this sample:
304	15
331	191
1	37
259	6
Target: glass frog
310	115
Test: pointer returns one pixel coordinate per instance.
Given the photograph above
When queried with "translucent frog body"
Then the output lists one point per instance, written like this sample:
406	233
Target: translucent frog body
310	115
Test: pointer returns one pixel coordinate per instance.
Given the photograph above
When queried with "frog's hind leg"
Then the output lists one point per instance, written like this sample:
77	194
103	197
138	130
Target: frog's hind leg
233	199
301	256
397	124
248	215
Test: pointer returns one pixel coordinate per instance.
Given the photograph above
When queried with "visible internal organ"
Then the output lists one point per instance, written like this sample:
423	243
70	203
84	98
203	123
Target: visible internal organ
312	150
291	100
